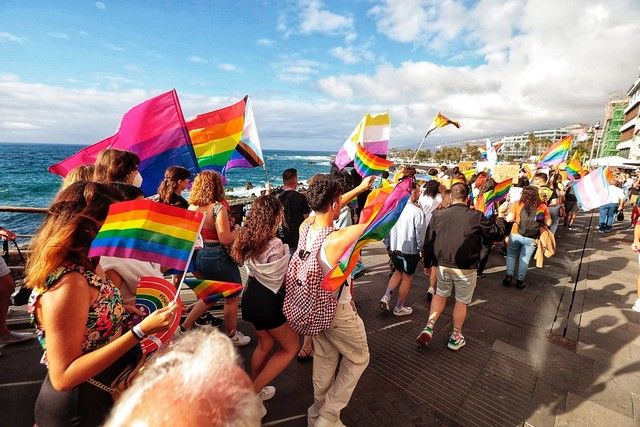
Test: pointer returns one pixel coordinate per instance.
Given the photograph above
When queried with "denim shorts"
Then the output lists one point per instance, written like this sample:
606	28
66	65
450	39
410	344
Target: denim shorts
214	263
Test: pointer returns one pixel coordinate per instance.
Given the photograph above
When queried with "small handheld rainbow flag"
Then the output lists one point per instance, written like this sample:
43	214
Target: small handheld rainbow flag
148	231
382	210
440	121
573	166
211	290
497	195
369	164
556	153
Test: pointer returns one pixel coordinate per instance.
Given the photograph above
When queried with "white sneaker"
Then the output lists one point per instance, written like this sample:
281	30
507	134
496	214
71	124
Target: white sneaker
402	311
15	337
384	303
239	339
636	306
267	393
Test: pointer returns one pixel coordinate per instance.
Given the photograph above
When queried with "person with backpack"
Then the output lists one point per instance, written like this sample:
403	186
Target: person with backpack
528	215
329	317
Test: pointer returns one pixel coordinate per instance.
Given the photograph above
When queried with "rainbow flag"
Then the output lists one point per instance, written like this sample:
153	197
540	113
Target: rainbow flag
556	153
372	132
148	231
216	134
211	291
440	121
592	190
497	195
574	167
154	130
369	164
382	210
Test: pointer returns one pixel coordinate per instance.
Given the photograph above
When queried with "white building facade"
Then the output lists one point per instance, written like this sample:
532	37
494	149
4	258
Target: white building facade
629	146
517	146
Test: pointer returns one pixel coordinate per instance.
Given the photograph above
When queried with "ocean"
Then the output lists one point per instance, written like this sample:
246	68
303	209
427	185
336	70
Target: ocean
25	181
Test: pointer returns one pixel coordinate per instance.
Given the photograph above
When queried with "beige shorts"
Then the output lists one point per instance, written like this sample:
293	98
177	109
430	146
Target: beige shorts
464	282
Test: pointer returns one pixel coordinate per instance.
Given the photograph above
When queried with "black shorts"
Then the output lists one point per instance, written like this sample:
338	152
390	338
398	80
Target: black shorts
261	307
571	206
406	263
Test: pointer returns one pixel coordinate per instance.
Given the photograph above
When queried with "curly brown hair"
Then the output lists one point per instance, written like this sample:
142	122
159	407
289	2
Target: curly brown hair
260	226
530	198
207	189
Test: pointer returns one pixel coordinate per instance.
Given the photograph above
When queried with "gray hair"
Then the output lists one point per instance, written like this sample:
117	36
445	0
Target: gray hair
195	381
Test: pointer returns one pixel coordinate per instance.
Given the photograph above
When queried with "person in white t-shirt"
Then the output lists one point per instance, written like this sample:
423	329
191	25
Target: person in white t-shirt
608	211
430	200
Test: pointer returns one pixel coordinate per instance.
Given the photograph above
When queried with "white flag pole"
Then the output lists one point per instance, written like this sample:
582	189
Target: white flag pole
186	267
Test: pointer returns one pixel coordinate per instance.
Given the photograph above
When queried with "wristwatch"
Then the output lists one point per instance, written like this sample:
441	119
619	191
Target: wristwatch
137	332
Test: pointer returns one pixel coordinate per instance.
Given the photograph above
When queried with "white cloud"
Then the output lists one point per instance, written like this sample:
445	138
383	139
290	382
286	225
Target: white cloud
197	59
354	54
295	70
310	16
6	37
539	63
100	5
227	67
114	81
265	42
114	47
59	35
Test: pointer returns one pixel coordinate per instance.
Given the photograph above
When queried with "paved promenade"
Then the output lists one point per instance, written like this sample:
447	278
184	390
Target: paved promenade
565	351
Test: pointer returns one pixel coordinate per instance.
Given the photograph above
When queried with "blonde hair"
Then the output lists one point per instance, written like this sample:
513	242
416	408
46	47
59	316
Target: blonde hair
207	188
74	218
79	173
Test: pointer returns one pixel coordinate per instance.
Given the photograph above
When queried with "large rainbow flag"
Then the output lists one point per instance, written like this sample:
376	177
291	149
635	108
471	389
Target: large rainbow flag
154	130
556	153
211	291
216	134
382	210
440	121
372	132
148	231
369	164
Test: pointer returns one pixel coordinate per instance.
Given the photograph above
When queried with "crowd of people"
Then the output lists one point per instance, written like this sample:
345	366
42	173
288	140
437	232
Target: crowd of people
84	308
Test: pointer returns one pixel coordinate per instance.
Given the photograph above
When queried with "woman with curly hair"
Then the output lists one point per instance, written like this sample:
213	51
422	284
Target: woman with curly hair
527	215
176	180
266	259
213	261
78	312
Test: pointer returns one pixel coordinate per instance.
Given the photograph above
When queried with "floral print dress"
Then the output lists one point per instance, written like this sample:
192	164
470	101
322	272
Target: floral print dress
105	313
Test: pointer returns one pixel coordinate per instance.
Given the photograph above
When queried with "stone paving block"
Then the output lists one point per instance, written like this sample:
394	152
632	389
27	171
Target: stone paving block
606	341
546	403
594	352
582	412
531	359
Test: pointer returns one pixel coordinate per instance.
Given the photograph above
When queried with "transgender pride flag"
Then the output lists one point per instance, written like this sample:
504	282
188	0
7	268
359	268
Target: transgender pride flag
154	130
592	191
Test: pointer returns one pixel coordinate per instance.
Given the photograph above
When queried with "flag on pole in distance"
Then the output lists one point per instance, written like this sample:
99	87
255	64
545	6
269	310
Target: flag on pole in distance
372	132
154	130
592	191
148	231
440	121
556	153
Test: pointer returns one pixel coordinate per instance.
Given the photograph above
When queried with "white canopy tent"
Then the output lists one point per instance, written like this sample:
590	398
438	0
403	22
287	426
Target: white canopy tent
613	161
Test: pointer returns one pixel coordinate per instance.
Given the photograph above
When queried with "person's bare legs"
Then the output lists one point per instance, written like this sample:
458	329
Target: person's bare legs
287	341
7	286
437	306
198	309
433	278
394	281
231	315
405	286
307	347
459	315
261	354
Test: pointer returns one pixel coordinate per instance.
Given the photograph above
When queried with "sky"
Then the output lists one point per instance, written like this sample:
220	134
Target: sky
70	69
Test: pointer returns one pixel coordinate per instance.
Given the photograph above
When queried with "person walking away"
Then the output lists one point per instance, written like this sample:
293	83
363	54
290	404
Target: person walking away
527	215
487	245
404	242
266	259
570	206
556	202
454	238
339	337
213	261
609	210
296	208
429	201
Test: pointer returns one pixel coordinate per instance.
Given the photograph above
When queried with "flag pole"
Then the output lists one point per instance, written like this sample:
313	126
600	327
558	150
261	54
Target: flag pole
419	147
186	267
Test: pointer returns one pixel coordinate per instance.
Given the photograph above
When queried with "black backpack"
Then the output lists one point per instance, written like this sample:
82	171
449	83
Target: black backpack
528	225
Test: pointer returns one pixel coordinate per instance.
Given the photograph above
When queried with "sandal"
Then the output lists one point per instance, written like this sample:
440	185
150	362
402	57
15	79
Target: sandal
304	355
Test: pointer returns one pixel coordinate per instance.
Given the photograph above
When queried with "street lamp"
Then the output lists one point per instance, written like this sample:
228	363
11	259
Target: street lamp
595	128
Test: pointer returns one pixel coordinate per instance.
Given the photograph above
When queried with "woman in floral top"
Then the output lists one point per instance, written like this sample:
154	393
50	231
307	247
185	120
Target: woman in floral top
77	311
